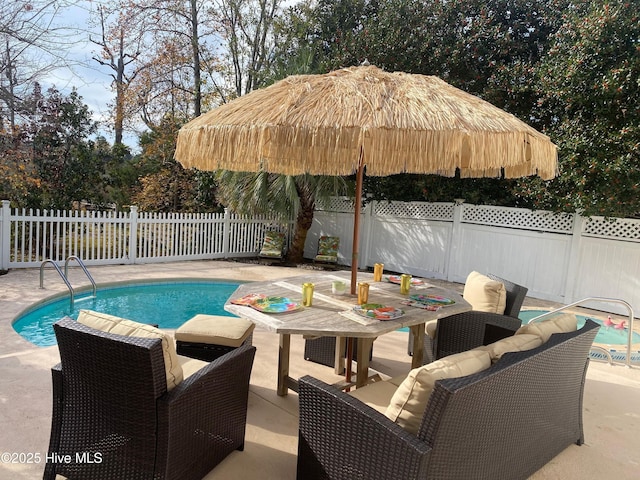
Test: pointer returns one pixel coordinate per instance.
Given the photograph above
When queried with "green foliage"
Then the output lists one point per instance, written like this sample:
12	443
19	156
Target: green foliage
590	96
58	132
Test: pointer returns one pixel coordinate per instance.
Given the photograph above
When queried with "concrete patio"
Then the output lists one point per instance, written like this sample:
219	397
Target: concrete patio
611	402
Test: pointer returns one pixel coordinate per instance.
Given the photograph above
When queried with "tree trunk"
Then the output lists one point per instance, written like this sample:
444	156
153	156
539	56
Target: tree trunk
304	220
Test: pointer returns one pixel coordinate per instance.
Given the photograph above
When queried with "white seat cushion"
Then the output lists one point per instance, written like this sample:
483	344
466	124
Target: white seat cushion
128	328
485	294
190	365
215	330
409	401
377	395
562	323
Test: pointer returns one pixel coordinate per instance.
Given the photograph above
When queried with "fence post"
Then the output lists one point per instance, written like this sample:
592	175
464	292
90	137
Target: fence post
226	229
133	233
454	240
5	235
574	258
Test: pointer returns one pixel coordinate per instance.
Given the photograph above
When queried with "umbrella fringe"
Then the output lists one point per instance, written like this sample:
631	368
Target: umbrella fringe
318	124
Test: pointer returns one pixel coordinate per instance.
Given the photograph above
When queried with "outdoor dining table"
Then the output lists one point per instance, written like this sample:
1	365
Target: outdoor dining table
333	315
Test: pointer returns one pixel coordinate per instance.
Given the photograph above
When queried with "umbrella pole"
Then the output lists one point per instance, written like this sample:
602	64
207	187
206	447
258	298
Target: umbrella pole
356	226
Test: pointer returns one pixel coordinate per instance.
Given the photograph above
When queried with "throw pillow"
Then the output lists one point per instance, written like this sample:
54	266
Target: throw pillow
410	399
485	294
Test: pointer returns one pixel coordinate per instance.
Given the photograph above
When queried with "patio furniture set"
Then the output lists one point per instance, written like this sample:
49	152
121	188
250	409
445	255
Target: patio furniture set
491	399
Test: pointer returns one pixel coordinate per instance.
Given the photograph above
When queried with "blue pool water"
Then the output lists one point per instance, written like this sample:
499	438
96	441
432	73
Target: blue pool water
168	304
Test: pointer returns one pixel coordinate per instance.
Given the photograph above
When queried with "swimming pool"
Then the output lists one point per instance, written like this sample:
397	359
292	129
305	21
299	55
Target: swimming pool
168	303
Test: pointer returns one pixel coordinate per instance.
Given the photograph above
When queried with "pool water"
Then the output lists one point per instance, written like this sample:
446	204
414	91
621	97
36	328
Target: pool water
606	335
168	304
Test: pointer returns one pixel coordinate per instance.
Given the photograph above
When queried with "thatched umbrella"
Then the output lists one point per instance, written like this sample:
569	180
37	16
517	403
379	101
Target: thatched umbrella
343	121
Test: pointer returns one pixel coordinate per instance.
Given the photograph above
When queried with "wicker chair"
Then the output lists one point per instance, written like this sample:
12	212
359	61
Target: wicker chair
464	331
505	422
113	417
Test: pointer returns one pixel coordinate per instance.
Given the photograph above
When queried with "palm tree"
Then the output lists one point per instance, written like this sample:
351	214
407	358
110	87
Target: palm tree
285	196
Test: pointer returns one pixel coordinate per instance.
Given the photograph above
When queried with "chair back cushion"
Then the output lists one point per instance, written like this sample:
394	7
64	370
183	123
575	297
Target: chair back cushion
128	328
409	402
515	343
273	244
328	249
485	294
562	323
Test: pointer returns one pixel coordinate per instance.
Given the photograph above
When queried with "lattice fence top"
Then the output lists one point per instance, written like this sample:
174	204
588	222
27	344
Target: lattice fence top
518	218
419	210
336	204
614	228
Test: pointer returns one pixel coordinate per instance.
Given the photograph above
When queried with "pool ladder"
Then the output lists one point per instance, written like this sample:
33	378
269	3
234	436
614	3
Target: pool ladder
64	275
605	300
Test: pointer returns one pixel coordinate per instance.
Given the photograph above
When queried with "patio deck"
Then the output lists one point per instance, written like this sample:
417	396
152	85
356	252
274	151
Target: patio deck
611	403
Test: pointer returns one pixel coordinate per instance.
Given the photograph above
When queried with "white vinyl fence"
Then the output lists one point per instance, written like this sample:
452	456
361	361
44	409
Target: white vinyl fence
559	257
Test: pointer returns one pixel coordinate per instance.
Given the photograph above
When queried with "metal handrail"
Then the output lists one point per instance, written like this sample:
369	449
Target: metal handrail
62	275
84	268
599	299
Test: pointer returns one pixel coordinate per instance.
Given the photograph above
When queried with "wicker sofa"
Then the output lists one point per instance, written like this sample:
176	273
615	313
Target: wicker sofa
504	422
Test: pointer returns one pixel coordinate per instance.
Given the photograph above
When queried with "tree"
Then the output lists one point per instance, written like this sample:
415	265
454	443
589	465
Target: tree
590	100
178	33
282	195
122	41
18	178
165	185
246	27
59	130
31	45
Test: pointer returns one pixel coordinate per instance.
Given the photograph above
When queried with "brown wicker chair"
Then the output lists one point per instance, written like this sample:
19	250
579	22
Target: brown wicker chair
464	331
113	417
505	422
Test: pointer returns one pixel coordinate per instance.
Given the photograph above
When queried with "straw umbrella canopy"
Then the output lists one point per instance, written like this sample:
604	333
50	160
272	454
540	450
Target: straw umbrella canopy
354	118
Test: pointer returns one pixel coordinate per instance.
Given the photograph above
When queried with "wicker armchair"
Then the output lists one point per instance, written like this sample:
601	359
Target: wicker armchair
505	422
113	417
464	331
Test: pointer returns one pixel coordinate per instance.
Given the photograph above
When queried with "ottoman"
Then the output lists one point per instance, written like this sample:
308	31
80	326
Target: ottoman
207	337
